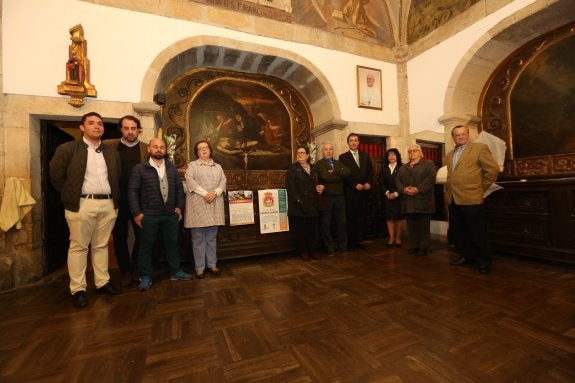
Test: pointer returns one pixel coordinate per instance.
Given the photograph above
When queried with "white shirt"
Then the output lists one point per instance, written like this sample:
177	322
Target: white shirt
96	175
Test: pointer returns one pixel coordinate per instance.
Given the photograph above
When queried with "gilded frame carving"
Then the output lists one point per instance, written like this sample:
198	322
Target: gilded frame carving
495	112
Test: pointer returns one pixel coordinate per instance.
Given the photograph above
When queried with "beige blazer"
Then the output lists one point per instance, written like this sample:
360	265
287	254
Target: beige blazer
475	171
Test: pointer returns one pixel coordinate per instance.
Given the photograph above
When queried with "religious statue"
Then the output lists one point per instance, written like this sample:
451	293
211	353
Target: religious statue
77	83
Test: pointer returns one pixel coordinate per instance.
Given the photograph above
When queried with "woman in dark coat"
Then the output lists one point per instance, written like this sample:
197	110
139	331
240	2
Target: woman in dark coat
393	216
303	204
415	182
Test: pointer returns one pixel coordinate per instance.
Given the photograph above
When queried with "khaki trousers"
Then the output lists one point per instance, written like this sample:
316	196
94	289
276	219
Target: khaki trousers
90	228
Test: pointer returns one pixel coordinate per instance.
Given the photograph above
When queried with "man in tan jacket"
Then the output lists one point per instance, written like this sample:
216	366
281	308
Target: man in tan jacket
471	170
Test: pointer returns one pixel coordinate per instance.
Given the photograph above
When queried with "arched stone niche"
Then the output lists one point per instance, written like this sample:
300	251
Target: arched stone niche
209	52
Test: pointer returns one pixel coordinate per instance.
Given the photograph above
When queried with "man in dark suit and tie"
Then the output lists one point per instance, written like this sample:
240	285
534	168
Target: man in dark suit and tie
471	169
357	189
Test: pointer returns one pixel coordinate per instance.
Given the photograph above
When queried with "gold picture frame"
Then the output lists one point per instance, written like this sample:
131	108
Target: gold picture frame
369	88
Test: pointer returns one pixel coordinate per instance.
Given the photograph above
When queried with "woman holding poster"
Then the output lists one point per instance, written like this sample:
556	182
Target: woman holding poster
205	184
303	204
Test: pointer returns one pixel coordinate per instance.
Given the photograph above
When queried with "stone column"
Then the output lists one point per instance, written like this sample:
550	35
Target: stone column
148	111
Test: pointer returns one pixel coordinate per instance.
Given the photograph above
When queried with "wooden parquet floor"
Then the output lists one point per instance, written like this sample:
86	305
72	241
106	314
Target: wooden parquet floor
378	315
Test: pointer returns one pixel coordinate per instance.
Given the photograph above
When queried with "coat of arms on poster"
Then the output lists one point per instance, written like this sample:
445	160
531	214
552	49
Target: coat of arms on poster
77	83
279	10
273	210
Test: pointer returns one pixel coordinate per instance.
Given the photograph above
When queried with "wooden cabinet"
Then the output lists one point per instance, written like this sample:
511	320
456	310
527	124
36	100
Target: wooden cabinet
534	219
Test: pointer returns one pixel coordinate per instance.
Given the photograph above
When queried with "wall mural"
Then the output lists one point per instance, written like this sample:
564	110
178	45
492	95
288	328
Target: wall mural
253	123
427	15
368	20
360	19
247	125
529	102
543	103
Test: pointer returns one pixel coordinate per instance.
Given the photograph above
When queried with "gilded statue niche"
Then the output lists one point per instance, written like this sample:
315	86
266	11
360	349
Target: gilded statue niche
77	83
529	102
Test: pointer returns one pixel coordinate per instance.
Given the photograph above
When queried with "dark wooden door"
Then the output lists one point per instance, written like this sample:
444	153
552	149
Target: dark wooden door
55	228
375	219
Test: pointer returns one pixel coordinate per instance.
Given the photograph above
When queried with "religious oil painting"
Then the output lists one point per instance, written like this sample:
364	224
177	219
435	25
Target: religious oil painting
369	88
246	123
543	103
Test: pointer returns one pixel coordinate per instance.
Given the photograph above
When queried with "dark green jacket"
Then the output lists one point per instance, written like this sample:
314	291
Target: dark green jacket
68	167
332	179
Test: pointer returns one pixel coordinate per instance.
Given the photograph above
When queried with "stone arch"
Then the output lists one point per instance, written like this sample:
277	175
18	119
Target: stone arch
465	89
222	53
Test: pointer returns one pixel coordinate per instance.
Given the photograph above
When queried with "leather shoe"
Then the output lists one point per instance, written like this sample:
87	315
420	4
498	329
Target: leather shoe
461	261
421	252
79	299
108	289
361	246
199	275
484	269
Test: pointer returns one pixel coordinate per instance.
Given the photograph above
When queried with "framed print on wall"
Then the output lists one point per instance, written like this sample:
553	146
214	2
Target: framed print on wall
369	88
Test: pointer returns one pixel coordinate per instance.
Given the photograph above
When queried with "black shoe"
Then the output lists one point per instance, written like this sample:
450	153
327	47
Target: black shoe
200	275
361	246
484	269
413	251
108	289
79	299
421	252
461	261
215	271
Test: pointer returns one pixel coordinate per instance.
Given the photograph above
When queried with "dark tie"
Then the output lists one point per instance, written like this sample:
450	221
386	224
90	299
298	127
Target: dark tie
330	162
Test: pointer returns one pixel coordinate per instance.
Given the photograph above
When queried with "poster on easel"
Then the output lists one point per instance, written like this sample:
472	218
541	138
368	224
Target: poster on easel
241	204
273	207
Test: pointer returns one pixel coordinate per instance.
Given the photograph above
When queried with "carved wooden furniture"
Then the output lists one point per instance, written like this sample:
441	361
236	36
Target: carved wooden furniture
534	219
534	215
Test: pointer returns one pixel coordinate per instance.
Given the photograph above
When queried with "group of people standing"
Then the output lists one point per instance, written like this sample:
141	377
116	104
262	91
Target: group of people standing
106	186
335	192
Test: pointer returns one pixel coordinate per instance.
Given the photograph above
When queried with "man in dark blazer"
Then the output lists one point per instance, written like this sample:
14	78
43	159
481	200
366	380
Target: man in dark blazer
132	151
471	170
357	189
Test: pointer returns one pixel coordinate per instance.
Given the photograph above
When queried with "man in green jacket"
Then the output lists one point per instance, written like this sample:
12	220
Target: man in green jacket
87	173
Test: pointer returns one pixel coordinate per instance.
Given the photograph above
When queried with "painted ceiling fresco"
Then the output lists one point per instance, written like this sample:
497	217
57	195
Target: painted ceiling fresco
369	20
427	15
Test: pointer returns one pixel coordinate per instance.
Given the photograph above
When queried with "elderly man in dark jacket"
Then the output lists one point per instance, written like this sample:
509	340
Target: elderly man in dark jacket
156	198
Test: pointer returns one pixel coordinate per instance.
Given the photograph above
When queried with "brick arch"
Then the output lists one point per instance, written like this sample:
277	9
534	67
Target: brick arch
228	54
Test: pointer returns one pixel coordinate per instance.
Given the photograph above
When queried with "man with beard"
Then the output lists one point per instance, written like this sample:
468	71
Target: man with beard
132	151
156	198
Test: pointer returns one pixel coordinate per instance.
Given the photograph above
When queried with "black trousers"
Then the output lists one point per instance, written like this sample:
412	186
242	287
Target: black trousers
120	234
355	209
304	231
470	232
418	230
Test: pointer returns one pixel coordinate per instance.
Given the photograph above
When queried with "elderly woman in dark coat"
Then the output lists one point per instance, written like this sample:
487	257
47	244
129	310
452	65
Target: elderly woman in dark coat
303	204
415	182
